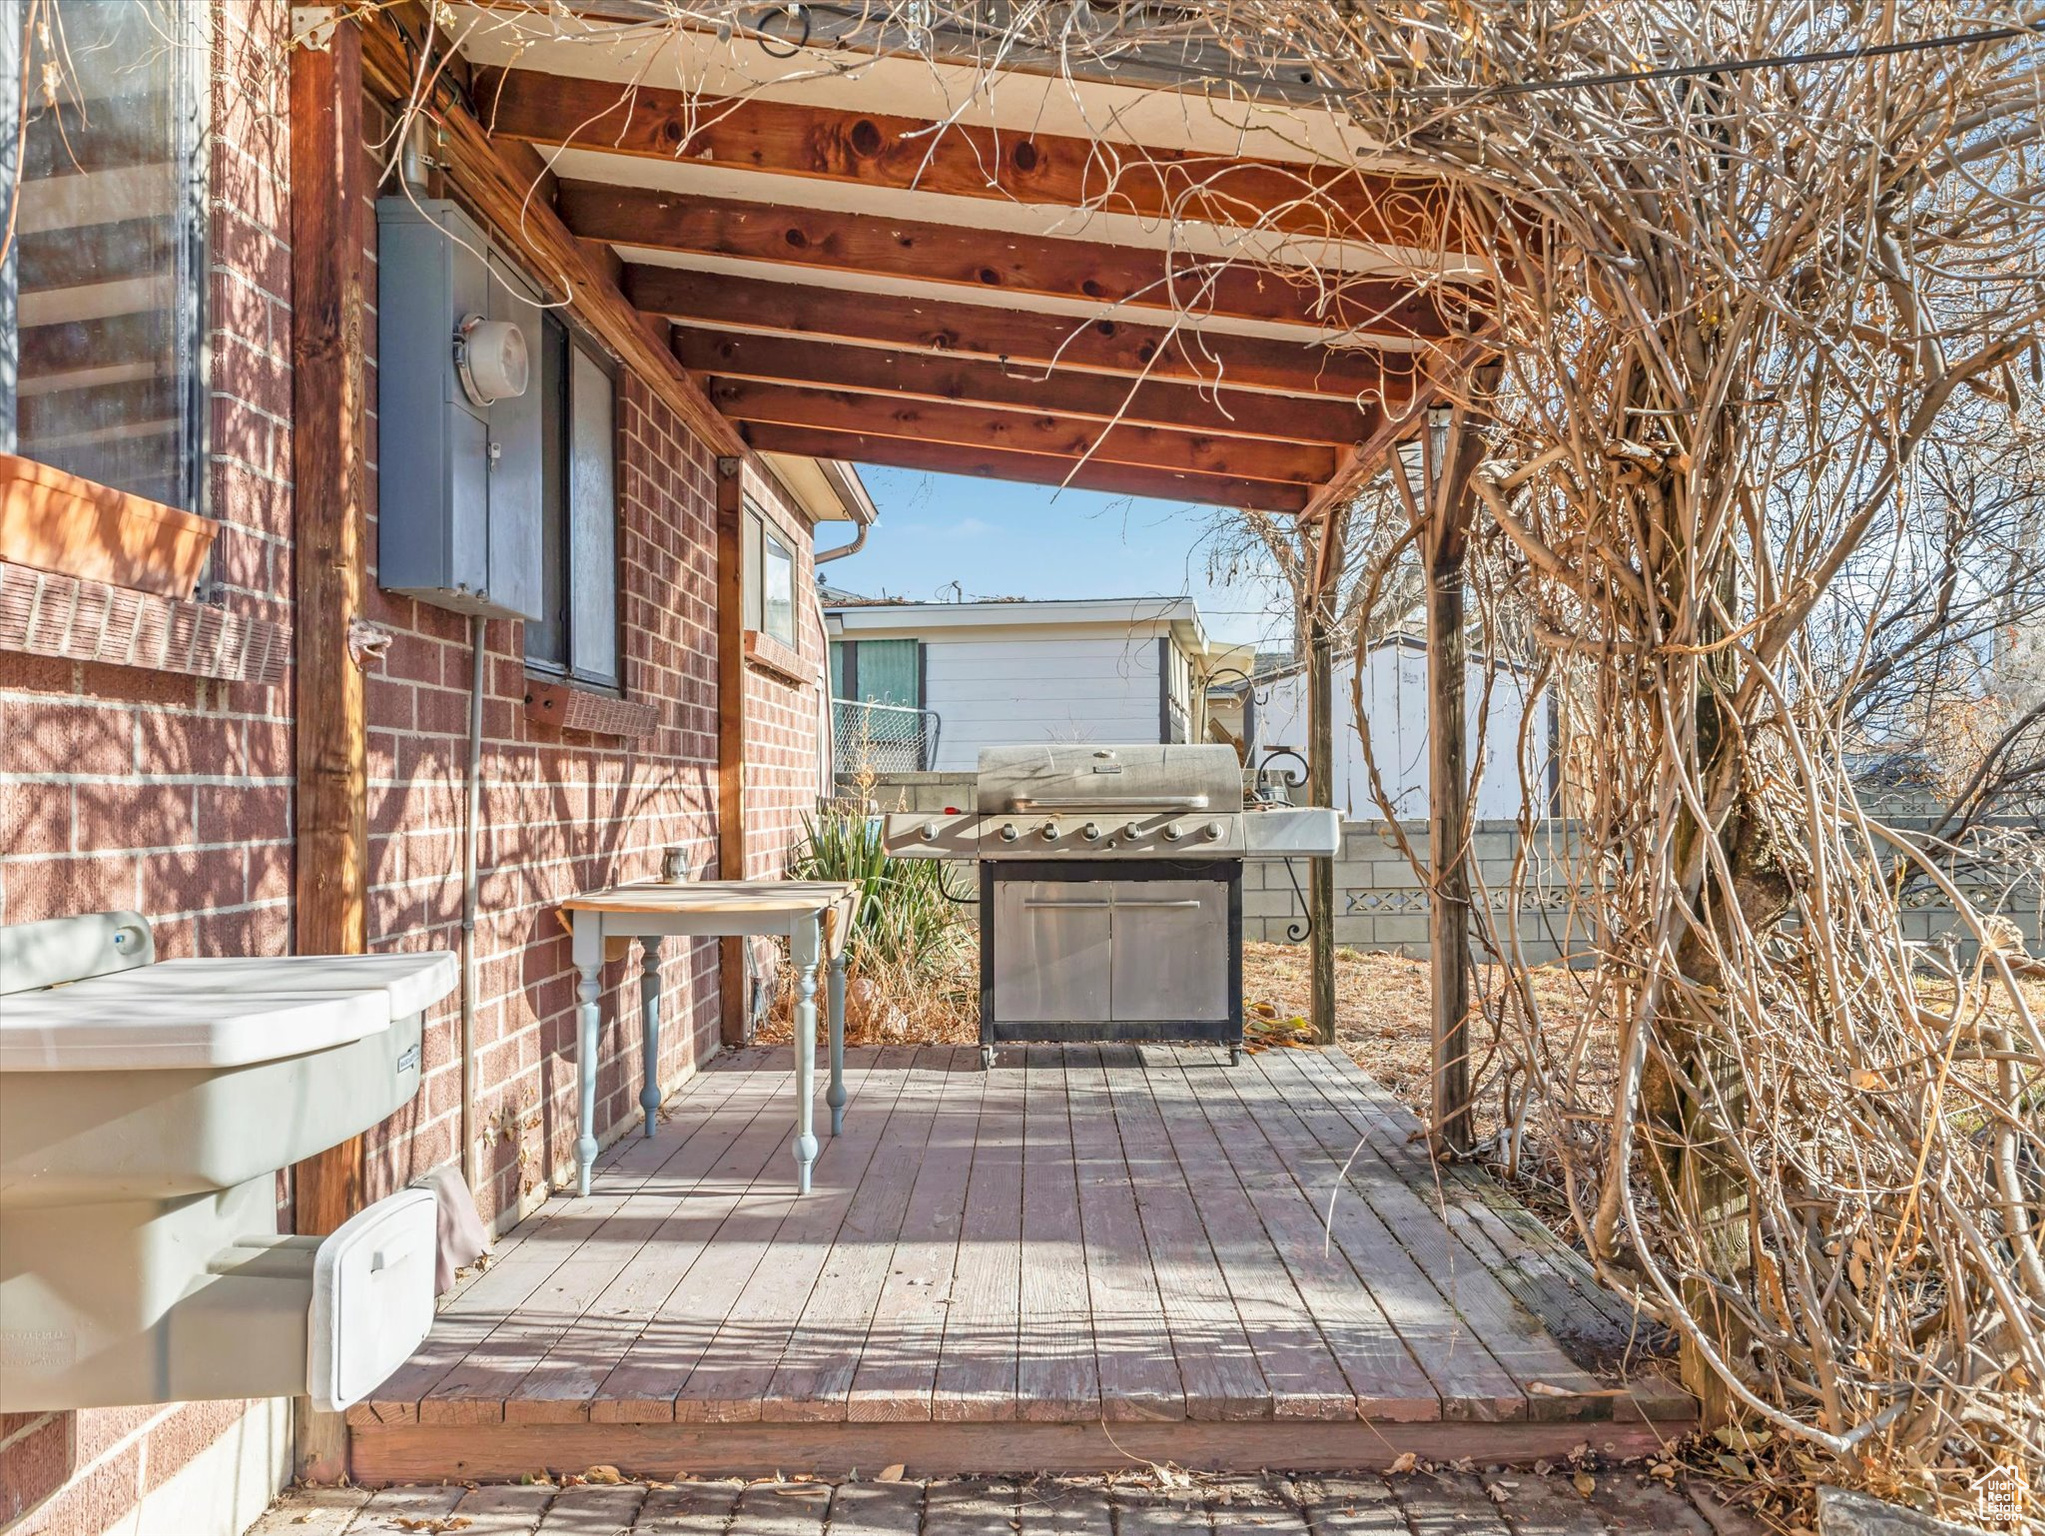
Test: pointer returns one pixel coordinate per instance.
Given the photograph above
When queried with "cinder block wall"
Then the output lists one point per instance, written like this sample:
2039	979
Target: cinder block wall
1381	903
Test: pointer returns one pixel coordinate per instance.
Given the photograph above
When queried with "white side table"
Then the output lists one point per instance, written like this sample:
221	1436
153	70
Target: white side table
814	915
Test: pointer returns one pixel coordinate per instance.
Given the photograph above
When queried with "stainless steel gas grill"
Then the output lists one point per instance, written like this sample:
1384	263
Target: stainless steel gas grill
1111	888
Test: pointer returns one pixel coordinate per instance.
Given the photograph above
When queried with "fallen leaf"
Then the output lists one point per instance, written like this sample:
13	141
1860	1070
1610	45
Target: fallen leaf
1404	1463
1584	1484
1736	1438
603	1472
891	1473
1498	1493
1732	1466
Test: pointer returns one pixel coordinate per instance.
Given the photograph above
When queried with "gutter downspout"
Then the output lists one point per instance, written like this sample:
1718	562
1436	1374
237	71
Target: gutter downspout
472	817
825	556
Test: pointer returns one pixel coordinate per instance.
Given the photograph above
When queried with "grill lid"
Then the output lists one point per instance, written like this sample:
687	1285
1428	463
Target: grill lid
1080	778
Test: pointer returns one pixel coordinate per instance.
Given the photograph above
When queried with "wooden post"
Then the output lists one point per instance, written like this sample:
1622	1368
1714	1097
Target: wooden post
1321	791
734	1022
331	878
327	366
1450	451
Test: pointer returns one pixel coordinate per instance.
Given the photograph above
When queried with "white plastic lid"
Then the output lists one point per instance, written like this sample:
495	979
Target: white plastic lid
372	1298
186	1014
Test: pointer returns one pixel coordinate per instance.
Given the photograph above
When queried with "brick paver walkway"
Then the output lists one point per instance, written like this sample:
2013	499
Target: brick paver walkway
1492	1503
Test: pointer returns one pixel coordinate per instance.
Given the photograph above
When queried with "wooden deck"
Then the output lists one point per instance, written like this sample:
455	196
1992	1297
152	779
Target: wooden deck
1082	1256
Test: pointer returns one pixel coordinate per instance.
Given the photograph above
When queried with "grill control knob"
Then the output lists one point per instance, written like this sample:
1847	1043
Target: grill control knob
1091	832
1048	831
1009	833
928	832
1213	831
1173	831
1133	832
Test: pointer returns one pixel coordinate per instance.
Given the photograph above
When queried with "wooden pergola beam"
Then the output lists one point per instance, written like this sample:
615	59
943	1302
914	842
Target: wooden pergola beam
974	426
1234	413
1020	339
991	262
1032	468
872	149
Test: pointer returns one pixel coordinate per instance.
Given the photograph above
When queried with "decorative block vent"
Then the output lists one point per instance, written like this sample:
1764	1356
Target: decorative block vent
577	709
47	614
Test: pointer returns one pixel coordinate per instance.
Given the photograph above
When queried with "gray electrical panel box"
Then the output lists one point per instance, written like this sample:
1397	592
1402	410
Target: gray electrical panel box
458	484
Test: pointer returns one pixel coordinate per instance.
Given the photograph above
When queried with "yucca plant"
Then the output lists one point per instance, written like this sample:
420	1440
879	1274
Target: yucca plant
908	926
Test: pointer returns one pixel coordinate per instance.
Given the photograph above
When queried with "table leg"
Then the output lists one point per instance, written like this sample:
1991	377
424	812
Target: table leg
835	1094
805	944
589	961
649	1012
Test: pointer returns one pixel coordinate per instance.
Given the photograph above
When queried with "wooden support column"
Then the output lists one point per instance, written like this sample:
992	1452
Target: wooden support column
731	734
1450	453
327	366
1331	531
331	877
1321	791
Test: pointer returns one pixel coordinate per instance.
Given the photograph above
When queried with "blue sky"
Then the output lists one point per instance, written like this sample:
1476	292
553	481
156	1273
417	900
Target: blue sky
996	538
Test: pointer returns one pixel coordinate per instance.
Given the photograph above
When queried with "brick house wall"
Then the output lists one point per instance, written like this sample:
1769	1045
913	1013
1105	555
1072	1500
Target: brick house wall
171	795
122	788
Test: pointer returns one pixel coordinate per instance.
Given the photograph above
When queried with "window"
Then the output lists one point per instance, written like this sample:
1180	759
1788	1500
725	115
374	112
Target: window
102	277
576	636
878	671
770	580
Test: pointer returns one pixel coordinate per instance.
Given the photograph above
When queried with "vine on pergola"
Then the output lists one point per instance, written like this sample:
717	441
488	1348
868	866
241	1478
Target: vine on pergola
1737	266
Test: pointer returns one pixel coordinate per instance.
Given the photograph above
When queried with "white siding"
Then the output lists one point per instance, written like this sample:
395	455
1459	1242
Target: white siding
1395	706
993	693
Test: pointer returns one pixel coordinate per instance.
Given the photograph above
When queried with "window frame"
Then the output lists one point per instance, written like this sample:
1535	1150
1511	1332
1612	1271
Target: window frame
759	531
573	668
192	353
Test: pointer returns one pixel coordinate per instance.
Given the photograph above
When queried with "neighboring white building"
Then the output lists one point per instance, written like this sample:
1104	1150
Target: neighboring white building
1395	704
1001	673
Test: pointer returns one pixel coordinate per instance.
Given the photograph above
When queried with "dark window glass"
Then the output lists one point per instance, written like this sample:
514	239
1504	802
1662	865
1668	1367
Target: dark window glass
577	633
546	638
101	276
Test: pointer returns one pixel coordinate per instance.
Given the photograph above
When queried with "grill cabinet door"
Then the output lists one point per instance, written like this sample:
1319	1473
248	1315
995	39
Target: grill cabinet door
1051	951
1170	950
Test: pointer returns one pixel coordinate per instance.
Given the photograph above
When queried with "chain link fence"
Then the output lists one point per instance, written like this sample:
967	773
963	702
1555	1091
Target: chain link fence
881	738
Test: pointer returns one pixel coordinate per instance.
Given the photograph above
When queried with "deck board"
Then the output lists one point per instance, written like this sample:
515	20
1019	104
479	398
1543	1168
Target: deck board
976	1363
1216	1362
1303	1378
1420	1305
1085	1248
729	1382
897	1369
1056	1377
1139	1372
814	1376
1552	1385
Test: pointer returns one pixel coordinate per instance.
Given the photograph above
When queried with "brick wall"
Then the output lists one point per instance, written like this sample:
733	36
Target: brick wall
173	796
566	810
165	794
